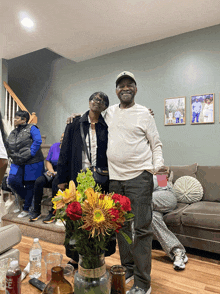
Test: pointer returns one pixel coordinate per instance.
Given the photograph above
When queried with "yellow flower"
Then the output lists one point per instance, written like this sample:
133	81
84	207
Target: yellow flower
67	196
78	196
91	196
107	202
98	216
58	204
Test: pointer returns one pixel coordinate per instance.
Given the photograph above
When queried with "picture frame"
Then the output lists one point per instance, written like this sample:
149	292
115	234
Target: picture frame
202	109
175	111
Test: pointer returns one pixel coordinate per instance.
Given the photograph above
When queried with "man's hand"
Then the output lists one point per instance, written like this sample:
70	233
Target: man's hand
163	170
151	112
62	186
70	118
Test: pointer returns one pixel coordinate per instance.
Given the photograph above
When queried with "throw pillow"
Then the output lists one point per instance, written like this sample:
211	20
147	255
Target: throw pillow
184	170
188	190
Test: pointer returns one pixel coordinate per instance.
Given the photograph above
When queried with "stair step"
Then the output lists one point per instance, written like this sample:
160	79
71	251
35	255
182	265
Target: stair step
46	205
46	232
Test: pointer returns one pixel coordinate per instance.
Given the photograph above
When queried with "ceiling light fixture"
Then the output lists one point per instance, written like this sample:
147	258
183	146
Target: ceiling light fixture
27	22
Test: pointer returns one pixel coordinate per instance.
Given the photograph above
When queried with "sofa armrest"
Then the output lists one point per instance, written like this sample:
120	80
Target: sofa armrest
10	236
12	253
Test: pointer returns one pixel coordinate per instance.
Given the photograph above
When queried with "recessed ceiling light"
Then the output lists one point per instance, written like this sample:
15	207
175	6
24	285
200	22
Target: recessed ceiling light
27	22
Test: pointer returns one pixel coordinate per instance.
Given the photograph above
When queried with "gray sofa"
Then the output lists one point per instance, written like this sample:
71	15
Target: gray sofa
9	236
197	225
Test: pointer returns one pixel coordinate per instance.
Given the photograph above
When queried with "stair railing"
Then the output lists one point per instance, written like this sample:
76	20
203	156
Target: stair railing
13	104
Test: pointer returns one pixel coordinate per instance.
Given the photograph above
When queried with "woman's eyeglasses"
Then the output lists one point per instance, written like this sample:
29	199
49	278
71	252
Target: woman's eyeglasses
95	99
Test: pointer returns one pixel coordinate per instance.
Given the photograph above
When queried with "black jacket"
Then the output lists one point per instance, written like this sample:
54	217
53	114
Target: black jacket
18	146
70	159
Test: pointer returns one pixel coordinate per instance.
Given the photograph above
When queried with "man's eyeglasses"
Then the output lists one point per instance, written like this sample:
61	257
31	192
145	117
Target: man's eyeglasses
95	99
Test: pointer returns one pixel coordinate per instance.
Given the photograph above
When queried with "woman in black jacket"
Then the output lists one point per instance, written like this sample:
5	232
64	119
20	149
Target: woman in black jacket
73	157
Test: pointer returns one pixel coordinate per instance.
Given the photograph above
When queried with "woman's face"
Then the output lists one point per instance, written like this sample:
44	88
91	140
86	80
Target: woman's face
19	121
97	104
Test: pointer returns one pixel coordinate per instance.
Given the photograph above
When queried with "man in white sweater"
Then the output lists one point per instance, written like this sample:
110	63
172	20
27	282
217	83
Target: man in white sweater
134	155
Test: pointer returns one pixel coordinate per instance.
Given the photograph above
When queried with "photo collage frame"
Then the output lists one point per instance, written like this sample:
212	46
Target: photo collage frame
202	109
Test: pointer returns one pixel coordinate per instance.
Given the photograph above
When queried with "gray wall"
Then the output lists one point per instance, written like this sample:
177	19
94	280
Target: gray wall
183	65
3	78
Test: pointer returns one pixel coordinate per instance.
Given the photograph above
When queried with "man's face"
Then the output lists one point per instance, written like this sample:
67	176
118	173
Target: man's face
19	121
126	90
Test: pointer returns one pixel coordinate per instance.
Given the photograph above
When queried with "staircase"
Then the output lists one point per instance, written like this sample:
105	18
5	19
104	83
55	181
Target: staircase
47	232
13	104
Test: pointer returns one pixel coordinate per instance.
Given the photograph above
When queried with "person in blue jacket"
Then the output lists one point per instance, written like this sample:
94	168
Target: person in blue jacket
23	146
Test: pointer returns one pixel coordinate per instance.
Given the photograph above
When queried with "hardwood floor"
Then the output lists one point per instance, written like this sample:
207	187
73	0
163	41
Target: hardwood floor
201	276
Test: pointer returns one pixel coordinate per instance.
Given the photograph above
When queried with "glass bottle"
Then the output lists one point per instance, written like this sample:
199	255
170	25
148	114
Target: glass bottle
58	284
13	278
118	279
92	276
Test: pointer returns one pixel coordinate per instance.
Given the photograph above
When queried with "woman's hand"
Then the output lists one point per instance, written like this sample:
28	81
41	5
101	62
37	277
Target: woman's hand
51	174
62	186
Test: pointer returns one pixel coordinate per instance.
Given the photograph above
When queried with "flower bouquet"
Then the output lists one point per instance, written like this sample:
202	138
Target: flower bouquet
90	217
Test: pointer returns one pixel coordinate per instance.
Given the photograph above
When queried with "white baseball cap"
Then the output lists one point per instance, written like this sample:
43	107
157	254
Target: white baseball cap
125	74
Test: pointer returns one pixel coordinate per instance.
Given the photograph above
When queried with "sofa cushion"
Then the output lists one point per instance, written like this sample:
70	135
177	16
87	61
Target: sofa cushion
188	190
209	177
202	214
173	218
10	236
185	170
12	253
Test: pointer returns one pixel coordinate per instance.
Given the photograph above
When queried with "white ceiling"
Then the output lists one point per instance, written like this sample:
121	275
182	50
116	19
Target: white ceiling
83	29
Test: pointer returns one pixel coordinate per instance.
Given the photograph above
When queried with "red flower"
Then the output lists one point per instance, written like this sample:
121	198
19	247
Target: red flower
74	211
114	213
101	197
116	197
88	228
124	201
118	228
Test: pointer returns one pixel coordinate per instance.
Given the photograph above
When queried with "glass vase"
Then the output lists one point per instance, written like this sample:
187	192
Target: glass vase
92	277
58	284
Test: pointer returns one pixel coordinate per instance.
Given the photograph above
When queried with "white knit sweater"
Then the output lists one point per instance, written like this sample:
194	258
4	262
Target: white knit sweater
133	142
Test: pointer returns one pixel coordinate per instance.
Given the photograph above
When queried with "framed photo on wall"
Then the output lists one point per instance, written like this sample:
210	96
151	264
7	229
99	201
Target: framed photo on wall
202	109
175	111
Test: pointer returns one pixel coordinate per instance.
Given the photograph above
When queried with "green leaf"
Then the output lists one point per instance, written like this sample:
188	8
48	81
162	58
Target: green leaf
129	216
127	238
57	198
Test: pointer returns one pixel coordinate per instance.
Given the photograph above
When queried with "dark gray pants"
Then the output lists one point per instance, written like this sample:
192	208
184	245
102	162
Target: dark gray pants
137	257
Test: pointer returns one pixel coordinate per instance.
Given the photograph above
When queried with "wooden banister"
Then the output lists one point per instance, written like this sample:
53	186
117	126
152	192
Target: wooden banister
14	96
33	117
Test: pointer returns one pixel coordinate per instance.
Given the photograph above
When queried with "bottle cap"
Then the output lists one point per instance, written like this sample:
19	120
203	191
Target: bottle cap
36	240
14	263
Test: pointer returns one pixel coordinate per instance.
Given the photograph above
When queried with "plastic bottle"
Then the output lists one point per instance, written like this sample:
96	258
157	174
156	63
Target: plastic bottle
35	256
13	278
